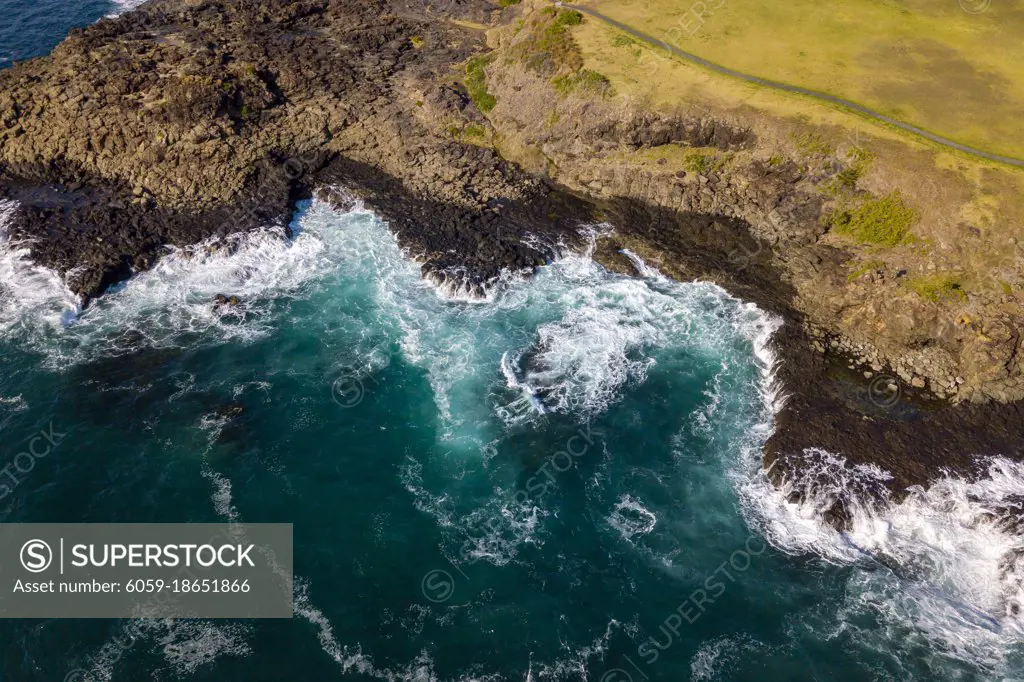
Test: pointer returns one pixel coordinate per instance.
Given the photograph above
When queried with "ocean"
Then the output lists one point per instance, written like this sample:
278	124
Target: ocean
31	28
559	482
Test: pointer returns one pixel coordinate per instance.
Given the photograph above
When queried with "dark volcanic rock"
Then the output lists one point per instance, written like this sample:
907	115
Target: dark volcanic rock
188	120
183	121
95	238
912	441
916	441
467	247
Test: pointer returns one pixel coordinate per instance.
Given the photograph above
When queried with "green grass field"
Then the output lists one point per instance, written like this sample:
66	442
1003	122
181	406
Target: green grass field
931	63
954	218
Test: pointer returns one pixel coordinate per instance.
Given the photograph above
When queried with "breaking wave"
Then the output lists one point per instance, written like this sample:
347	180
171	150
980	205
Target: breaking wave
33	299
122	6
631	518
943	567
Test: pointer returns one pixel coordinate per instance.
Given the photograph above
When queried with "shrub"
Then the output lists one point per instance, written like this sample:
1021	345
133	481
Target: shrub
846	179
472	130
812	145
548	46
567	17
584	81
884	221
476	83
703	163
937	288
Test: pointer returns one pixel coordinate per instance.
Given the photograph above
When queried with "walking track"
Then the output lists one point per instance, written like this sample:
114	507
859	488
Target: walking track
796	89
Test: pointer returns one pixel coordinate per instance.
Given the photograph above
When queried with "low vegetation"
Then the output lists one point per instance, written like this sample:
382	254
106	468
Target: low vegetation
548	46
702	162
865	268
584	81
565	18
476	83
937	288
810	144
474	131
884	221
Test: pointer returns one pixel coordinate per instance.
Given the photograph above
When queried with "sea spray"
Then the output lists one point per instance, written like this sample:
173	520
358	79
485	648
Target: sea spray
34	301
426	465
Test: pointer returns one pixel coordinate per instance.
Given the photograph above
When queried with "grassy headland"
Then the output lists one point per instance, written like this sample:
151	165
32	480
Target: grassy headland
952	69
906	239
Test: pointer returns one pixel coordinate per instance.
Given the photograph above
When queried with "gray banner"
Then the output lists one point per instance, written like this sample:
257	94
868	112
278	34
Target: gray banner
145	570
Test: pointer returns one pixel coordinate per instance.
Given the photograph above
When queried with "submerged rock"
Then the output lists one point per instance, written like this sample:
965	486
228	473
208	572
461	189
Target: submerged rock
231	410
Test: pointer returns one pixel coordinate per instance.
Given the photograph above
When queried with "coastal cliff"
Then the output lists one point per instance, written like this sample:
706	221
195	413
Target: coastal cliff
187	120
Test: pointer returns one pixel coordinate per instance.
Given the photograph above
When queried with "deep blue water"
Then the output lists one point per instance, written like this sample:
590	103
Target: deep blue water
30	28
421	447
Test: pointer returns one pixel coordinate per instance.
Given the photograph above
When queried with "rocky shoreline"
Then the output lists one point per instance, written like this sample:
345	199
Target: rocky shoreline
192	119
828	406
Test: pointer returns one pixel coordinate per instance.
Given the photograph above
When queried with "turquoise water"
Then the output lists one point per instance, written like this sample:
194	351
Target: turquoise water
530	487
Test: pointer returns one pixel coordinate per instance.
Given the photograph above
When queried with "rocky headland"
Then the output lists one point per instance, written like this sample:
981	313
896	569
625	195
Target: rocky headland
188	120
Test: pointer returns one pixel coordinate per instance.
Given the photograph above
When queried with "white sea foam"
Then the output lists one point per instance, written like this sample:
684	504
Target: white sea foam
352	660
576	662
33	300
631	518
944	566
187	645
597	332
702	419
584	359
495	531
529	402
642	268
173	303
611	329
14	403
122	6
221	495
715	656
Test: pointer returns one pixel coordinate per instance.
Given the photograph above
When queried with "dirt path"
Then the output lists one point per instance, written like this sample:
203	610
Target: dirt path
795	89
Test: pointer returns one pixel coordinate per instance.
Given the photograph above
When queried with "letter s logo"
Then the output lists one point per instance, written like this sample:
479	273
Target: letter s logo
36	556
